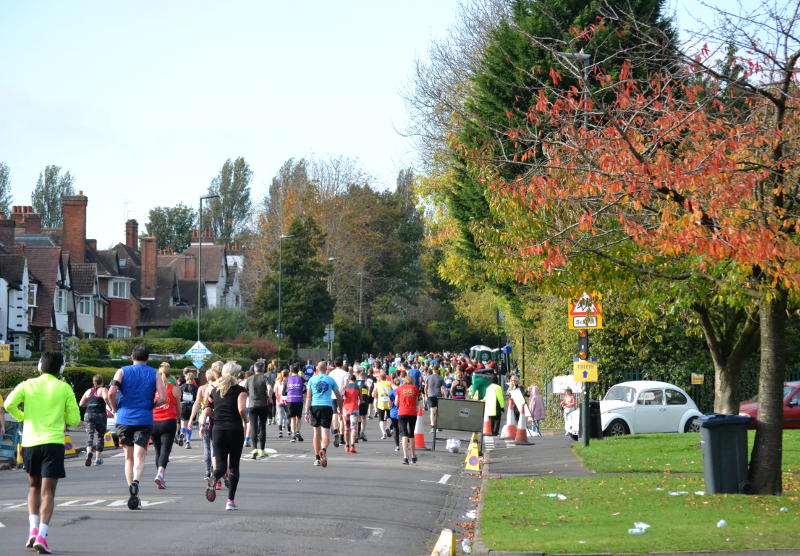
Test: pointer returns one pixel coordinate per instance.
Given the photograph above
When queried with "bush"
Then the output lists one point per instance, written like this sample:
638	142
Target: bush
80	378
11	375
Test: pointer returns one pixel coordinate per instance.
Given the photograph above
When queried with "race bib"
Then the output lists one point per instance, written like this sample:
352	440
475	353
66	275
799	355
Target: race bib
187	397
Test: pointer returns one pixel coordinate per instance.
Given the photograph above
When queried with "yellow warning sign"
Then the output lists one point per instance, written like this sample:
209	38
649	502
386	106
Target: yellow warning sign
108	440
584	371
69	448
698	378
5	352
473	459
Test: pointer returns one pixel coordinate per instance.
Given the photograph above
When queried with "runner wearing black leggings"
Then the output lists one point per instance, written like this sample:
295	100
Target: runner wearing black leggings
228	402
165	426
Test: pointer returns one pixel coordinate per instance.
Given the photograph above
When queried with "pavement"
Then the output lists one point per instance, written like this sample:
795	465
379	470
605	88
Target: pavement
361	504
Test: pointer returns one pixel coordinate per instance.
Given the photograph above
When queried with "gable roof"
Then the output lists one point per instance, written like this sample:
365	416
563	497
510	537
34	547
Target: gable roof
44	263
160	312
83	276
12	269
213	259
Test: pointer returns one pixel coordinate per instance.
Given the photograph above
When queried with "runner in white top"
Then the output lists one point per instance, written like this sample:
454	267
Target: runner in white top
339	375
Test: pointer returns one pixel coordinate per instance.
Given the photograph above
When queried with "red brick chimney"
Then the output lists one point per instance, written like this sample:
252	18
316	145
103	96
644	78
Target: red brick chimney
17	215
7	228
132	234
149	257
73	210
33	223
189	267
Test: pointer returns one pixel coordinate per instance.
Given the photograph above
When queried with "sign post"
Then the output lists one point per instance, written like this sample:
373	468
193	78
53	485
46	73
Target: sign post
585	313
198	353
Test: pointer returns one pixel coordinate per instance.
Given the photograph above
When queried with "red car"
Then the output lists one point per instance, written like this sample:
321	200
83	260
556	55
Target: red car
791	406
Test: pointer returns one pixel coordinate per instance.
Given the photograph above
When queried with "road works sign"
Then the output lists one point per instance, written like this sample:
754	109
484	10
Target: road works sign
585	312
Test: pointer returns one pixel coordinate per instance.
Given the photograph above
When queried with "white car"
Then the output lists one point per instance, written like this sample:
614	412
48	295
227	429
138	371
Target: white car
641	406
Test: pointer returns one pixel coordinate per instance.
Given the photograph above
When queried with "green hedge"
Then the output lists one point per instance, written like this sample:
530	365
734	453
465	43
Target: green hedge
117	363
93	349
13	374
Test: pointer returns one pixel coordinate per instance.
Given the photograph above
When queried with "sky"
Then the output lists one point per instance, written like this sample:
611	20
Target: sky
144	101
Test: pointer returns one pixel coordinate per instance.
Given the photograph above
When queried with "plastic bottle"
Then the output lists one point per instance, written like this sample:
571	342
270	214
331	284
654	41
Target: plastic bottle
465	546
636	531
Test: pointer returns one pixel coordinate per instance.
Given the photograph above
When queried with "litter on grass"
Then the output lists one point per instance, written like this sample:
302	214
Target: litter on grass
784	509
641	525
556	495
721	523
678	493
700	492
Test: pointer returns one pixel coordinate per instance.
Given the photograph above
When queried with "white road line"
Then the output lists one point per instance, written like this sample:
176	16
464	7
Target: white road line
376	531
1	524
444	479
80	503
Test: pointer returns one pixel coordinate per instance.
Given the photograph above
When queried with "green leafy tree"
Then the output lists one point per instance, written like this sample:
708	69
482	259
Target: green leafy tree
228	214
172	226
306	304
5	189
46	196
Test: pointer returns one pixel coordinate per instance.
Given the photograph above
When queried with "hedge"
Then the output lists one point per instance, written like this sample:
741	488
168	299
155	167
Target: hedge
97	348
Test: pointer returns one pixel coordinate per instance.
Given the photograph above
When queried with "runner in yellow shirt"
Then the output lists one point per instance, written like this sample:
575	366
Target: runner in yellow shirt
50	405
382	402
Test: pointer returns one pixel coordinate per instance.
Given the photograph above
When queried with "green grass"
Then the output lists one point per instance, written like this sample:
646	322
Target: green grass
666	453
518	515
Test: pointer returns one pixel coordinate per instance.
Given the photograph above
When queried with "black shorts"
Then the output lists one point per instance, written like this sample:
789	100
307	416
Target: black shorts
186	411
294	409
44	460
321	416
134	434
407	425
363	408
383	414
433	401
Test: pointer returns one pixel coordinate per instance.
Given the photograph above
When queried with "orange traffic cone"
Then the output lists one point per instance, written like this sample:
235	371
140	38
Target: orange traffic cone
510	429
487	426
522	430
419	432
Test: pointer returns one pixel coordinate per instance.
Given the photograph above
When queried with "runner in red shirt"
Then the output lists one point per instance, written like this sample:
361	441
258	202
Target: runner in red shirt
165	426
406	400
350	413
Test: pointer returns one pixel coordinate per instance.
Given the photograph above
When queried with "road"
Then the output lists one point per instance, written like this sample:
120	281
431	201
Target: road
361	504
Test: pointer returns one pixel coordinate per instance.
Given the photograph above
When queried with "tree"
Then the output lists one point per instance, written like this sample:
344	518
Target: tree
306	306
670	180
228	214
172	226
5	189
46	197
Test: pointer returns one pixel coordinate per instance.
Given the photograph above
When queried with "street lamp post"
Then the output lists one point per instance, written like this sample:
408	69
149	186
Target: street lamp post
331	260
584	58
280	291
200	258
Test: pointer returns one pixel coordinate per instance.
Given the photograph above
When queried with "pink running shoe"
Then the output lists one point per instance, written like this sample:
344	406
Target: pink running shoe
40	545
32	537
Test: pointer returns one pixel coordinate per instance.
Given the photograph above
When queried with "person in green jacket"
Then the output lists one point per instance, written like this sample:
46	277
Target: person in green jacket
494	406
50	405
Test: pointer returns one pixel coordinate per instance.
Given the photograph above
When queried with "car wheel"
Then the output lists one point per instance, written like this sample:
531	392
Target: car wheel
692	425
617	427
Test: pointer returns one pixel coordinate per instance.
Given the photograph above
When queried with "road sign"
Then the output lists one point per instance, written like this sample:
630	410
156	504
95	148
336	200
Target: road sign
330	335
198	353
584	371
585	312
698	378
5	352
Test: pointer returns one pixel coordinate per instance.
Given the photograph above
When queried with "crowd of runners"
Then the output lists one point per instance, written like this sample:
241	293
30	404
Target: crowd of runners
232	408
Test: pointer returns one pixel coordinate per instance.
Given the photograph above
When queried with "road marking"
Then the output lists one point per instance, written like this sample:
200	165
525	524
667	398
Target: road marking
80	503
444	479
1	524
376	531
145	503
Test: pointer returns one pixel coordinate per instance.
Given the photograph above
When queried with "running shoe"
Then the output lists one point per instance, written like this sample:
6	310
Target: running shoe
218	485
389	433
248	444
253	454
397	448
188	445
181	439
211	490
299	437
159	481
40	545
263	454
433	430
88	461
383	436
353	450
98	461
280	434
32	537
133	501
227	481
316	463
363	437
323	458
335	439
413	459
230	506
405	461
293	438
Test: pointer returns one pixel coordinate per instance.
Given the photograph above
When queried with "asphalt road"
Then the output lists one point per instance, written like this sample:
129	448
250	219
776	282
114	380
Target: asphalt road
361	504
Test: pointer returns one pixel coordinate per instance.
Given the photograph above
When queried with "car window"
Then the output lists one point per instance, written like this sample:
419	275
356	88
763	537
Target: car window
674	397
795	398
787	390
651	397
620	393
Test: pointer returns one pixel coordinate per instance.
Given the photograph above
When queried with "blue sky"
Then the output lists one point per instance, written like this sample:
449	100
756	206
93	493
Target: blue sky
143	101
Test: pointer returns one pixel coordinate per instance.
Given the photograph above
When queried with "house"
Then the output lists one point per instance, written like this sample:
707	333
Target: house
14	281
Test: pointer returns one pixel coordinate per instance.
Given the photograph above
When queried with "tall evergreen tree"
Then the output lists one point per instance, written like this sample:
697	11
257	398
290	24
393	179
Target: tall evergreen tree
228	214
46	196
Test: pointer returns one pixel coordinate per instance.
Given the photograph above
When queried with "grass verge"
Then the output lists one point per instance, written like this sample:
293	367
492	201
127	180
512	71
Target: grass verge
666	453
595	516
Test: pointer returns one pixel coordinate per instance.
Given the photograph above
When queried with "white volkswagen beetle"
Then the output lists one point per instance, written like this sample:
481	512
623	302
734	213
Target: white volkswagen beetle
641	406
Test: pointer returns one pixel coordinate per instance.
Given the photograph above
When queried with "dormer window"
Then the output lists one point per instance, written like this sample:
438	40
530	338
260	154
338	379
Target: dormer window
32	288
61	301
119	288
123	263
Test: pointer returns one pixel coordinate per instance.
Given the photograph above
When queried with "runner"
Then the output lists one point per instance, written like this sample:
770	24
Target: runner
260	392
366	386
434	389
49	406
228	403
137	385
382	390
340	376
350	413
406	399
294	389
165	422
458	390
204	423
319	410
189	390
394	418
280	403
94	400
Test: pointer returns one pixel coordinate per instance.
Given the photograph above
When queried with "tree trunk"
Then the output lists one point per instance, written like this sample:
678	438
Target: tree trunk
765	462
726	385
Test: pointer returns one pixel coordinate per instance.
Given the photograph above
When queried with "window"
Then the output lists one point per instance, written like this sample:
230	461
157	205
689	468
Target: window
85	305
119	332
119	288
651	397
61	301
674	397
32	295
98	310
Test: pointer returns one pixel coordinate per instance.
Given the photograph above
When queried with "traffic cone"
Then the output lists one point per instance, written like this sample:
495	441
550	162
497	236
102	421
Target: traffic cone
69	447
487	426
419	431
510	429
522	431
